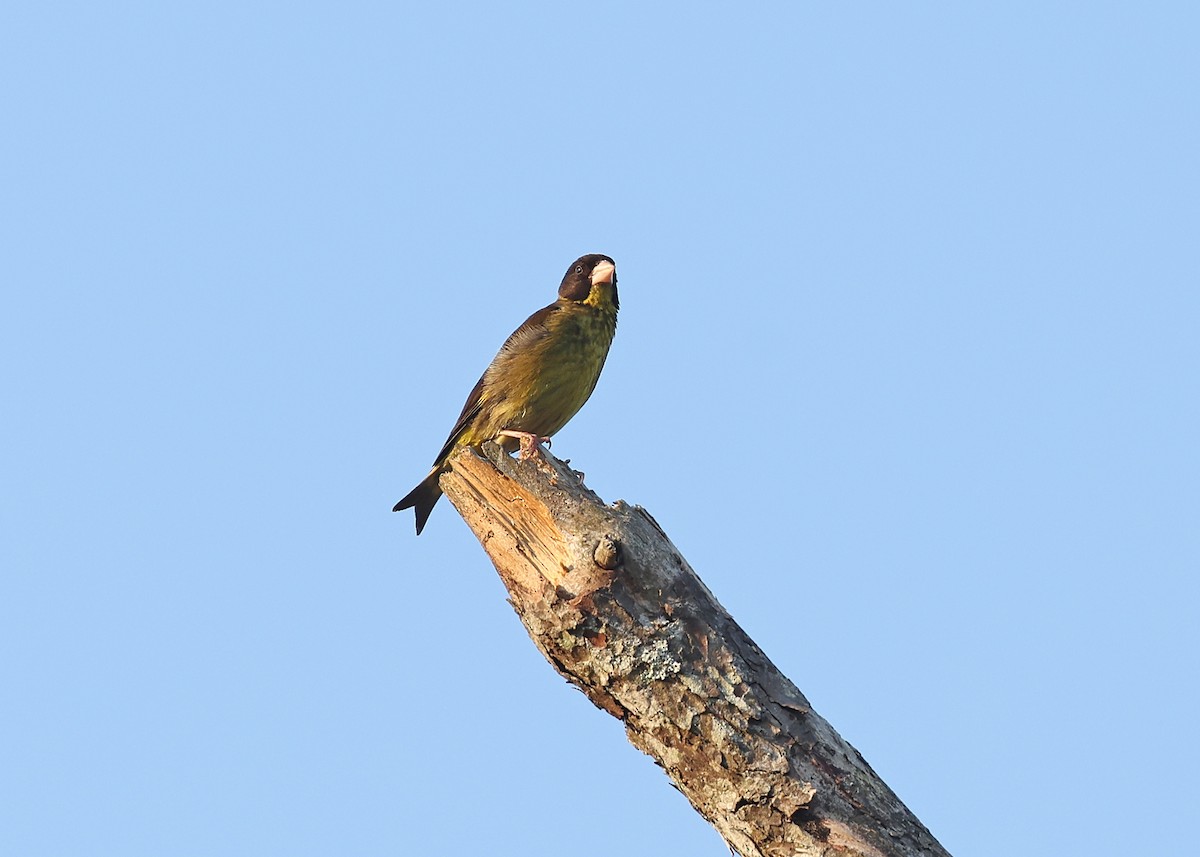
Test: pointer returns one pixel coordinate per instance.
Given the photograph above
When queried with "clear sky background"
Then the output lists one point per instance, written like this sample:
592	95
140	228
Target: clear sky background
907	367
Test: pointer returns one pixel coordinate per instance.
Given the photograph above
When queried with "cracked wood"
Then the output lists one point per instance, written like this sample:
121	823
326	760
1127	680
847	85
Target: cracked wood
616	609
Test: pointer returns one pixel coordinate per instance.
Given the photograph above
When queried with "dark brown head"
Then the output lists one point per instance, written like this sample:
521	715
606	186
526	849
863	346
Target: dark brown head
591	279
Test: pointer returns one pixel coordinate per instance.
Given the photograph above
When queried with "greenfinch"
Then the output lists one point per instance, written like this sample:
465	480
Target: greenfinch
539	379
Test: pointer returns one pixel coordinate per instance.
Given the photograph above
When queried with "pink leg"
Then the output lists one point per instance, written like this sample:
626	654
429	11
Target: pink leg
529	441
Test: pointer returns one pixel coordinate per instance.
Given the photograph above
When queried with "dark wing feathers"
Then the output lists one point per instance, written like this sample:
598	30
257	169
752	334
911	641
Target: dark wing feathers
470	410
533	328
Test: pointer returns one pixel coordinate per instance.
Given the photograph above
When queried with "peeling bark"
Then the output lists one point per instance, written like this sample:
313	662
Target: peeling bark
617	610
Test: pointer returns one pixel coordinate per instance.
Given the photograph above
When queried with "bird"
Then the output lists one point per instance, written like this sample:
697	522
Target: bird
540	377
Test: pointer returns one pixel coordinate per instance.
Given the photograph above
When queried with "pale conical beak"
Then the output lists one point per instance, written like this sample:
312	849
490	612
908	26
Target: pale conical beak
603	272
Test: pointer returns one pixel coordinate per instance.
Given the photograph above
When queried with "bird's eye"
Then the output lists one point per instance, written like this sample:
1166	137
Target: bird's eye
579	269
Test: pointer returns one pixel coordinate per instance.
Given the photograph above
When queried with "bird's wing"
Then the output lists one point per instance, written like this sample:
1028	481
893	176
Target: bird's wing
526	337
521	340
470	410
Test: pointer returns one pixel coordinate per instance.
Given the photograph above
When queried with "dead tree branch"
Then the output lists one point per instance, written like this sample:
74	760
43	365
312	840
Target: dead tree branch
619	612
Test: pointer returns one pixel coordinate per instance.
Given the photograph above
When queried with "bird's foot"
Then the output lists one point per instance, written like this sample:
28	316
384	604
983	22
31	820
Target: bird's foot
529	441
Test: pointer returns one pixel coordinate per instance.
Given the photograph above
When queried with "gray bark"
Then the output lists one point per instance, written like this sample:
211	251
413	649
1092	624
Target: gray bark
618	611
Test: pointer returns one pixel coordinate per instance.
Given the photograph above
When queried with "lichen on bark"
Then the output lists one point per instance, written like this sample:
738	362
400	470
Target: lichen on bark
618	611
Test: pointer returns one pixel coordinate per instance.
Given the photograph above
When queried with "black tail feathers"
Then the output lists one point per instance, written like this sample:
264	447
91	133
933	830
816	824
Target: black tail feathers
422	499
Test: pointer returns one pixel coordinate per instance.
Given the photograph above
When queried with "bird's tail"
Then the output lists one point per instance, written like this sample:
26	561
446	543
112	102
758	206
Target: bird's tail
422	498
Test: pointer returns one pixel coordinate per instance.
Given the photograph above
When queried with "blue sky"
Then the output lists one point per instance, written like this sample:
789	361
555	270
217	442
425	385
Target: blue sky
906	367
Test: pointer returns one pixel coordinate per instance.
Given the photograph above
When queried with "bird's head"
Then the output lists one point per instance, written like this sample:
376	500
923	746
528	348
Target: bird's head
591	280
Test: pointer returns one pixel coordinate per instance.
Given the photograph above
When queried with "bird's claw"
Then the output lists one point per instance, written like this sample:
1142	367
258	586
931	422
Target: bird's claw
529	442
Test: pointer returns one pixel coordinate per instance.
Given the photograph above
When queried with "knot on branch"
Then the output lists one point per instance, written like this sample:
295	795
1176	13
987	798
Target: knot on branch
618	611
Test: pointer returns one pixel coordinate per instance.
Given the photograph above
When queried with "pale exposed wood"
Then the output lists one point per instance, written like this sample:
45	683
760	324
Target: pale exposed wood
618	611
